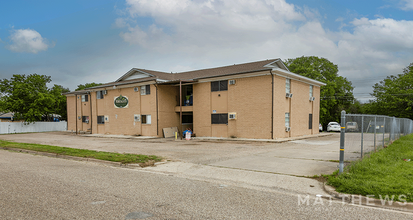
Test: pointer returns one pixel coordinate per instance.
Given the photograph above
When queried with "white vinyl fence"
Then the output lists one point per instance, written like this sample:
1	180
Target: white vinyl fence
21	127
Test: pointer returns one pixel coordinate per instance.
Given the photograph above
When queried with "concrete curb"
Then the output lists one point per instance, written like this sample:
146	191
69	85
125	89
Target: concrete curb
368	201
280	140
110	163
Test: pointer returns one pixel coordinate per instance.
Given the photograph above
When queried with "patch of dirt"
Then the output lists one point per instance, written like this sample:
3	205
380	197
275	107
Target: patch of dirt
148	163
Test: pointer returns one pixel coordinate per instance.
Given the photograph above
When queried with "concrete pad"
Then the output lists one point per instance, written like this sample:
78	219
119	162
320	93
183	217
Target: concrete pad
242	178
296	167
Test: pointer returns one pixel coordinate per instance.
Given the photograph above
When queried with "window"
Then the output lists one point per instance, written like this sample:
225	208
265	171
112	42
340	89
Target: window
311	91
288	86
219	119
99	94
101	119
85	119
146	119
219	85
85	98
287	119
146	90
310	121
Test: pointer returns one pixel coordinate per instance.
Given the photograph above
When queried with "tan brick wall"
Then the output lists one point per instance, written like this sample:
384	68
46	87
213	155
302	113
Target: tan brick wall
202	109
71	113
250	99
281	106
83	110
301	107
167	96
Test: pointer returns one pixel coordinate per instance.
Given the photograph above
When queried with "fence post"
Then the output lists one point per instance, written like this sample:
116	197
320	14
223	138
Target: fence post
342	136
375	124
362	137
384	128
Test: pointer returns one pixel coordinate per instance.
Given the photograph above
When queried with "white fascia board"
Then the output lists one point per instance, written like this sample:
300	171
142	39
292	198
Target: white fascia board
280	62
290	75
162	80
130	72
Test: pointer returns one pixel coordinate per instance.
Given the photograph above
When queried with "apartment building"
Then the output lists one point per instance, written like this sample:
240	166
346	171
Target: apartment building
261	100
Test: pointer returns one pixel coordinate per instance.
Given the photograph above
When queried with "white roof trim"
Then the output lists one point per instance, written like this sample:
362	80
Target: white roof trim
280	64
131	72
288	74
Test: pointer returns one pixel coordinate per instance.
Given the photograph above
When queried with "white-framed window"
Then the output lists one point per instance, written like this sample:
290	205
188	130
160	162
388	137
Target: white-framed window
85	98
146	90
99	94
311	91
287	119
146	119
287	85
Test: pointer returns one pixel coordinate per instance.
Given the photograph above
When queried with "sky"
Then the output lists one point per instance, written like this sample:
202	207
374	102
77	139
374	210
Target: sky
82	41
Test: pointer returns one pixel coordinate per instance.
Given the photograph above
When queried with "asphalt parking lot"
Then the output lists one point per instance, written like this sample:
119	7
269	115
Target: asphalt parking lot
305	157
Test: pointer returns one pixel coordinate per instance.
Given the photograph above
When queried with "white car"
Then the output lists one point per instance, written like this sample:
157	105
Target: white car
333	126
320	127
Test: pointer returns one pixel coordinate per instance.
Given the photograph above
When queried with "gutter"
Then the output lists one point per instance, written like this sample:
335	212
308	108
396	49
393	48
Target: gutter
287	74
272	105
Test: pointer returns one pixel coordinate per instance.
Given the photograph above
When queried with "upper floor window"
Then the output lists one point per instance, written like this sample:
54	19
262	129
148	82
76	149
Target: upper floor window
146	90
311	91
85	98
288	86
219	85
99	94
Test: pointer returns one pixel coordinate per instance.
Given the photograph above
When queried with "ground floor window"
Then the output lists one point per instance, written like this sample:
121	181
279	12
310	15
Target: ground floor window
146	119
85	119
101	119
219	118
310	121
287	119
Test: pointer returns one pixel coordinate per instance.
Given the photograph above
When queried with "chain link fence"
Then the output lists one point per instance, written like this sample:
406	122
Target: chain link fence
367	133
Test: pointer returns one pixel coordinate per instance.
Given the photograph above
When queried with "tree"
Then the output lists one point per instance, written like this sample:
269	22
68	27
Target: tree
336	95
393	95
60	105
29	98
87	85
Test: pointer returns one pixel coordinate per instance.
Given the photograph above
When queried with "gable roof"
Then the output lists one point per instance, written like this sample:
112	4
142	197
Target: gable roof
136	75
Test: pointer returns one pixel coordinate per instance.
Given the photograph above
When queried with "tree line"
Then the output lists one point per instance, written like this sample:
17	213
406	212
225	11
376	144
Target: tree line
31	100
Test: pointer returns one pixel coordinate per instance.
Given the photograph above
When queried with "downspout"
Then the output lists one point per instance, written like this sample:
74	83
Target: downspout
90	119
272	105
76	112
180	107
157	120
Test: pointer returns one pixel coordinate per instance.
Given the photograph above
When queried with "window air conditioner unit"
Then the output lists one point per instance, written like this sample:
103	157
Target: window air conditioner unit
137	117
232	82
288	95
136	89
312	99
287	128
232	116
104	92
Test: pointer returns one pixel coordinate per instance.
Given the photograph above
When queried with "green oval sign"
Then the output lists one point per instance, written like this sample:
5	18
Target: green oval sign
121	101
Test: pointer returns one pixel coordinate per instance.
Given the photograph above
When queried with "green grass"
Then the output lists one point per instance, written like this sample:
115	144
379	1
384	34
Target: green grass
115	157
382	173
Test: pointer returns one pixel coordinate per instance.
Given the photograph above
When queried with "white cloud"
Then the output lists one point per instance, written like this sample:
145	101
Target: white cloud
407	5
27	40
222	32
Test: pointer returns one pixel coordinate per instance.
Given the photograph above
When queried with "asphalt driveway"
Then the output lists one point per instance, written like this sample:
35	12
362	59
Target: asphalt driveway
305	157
